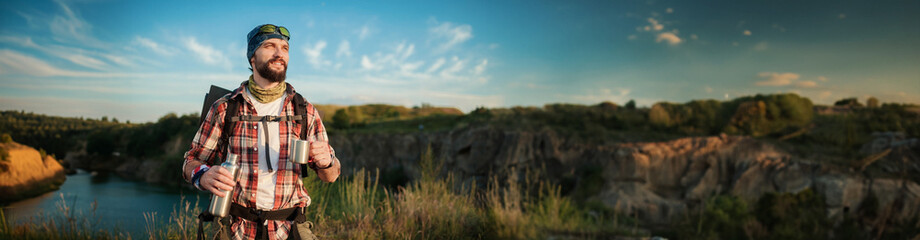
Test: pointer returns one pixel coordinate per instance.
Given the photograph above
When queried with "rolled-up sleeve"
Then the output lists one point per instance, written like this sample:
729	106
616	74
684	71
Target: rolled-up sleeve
203	148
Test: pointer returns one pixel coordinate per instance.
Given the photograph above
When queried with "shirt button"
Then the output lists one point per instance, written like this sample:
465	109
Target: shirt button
255	127
255	149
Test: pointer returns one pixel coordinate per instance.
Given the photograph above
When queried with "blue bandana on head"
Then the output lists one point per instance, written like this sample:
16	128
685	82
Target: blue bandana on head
257	36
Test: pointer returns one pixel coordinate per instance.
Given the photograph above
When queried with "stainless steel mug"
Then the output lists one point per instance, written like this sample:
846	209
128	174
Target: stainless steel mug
220	206
300	151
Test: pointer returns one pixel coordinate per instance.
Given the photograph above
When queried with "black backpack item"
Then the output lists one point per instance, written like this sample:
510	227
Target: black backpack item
215	93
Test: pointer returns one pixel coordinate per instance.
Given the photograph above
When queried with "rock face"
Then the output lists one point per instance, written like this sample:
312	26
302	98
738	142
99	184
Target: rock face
655	181
28	174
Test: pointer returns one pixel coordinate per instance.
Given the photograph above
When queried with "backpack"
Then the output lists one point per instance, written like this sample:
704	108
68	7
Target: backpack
216	93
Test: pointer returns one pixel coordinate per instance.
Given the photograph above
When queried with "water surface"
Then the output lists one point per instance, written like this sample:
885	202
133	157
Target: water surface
119	203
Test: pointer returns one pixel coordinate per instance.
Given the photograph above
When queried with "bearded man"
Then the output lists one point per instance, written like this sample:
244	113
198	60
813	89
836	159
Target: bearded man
257	122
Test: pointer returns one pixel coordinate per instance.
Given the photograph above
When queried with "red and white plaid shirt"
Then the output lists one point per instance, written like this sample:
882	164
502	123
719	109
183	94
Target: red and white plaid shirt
289	190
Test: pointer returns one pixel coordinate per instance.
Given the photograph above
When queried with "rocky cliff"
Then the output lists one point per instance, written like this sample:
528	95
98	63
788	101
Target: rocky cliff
28	173
654	181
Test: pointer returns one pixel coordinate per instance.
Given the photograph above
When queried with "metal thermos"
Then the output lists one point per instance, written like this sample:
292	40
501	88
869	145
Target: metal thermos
220	206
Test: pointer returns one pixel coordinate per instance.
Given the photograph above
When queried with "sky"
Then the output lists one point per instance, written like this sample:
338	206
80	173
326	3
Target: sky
140	60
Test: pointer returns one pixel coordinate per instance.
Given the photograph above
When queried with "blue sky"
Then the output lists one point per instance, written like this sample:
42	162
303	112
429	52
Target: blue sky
137	61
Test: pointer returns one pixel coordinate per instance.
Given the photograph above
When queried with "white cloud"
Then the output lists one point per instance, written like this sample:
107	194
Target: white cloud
668	37
824	95
408	52
410	67
451	34
776	79
18	63
593	96
344	49
708	89
436	65
694	36
315	54
842	16
632	37
154	46
71	28
481	67
458	65
669	10
367	64
207	53
364	32
806	84
746	32
74	55
822	78
118	59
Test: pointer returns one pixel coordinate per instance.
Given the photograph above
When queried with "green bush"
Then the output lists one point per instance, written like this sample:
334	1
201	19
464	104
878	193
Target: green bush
720	217
762	115
793	216
6	138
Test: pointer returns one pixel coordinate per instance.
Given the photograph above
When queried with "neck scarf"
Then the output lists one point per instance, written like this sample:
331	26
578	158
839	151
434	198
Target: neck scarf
266	95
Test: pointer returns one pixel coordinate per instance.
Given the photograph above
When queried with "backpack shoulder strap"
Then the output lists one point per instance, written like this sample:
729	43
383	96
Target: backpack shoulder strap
300	109
230	112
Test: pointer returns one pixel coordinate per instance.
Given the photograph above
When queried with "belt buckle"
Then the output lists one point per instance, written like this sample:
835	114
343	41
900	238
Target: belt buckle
259	214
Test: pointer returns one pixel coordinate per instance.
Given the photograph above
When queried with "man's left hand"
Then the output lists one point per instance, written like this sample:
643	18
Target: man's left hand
322	157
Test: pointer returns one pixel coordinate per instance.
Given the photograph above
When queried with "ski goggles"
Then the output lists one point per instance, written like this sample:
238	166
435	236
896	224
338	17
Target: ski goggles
270	29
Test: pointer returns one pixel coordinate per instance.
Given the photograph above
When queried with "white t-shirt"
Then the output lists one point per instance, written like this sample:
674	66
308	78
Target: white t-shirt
265	194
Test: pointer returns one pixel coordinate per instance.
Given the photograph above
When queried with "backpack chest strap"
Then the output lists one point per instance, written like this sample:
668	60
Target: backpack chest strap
256	118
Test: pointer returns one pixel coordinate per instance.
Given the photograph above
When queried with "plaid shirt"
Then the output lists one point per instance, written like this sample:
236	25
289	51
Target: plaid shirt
289	190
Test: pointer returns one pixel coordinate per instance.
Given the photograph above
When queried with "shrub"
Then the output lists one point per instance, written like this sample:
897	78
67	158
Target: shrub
6	138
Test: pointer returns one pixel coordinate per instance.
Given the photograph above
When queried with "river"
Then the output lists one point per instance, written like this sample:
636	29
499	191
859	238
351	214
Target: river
121	204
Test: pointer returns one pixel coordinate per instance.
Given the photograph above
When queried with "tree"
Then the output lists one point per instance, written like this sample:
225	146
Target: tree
631	105
750	118
341	120
872	102
848	102
659	115
6	138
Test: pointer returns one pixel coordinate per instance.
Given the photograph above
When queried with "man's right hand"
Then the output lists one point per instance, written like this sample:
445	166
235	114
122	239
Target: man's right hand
216	180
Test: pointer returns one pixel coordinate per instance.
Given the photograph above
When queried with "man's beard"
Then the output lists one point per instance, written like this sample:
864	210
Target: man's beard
270	75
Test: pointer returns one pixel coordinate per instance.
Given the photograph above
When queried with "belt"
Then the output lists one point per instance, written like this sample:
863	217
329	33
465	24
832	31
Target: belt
259	216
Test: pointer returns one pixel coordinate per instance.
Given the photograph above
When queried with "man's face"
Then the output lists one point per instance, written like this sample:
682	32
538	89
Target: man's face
270	59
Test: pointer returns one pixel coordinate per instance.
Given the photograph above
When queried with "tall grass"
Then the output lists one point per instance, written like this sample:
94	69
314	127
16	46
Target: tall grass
439	206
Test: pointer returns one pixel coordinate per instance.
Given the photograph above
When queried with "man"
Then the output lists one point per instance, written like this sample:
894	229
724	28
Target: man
269	183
